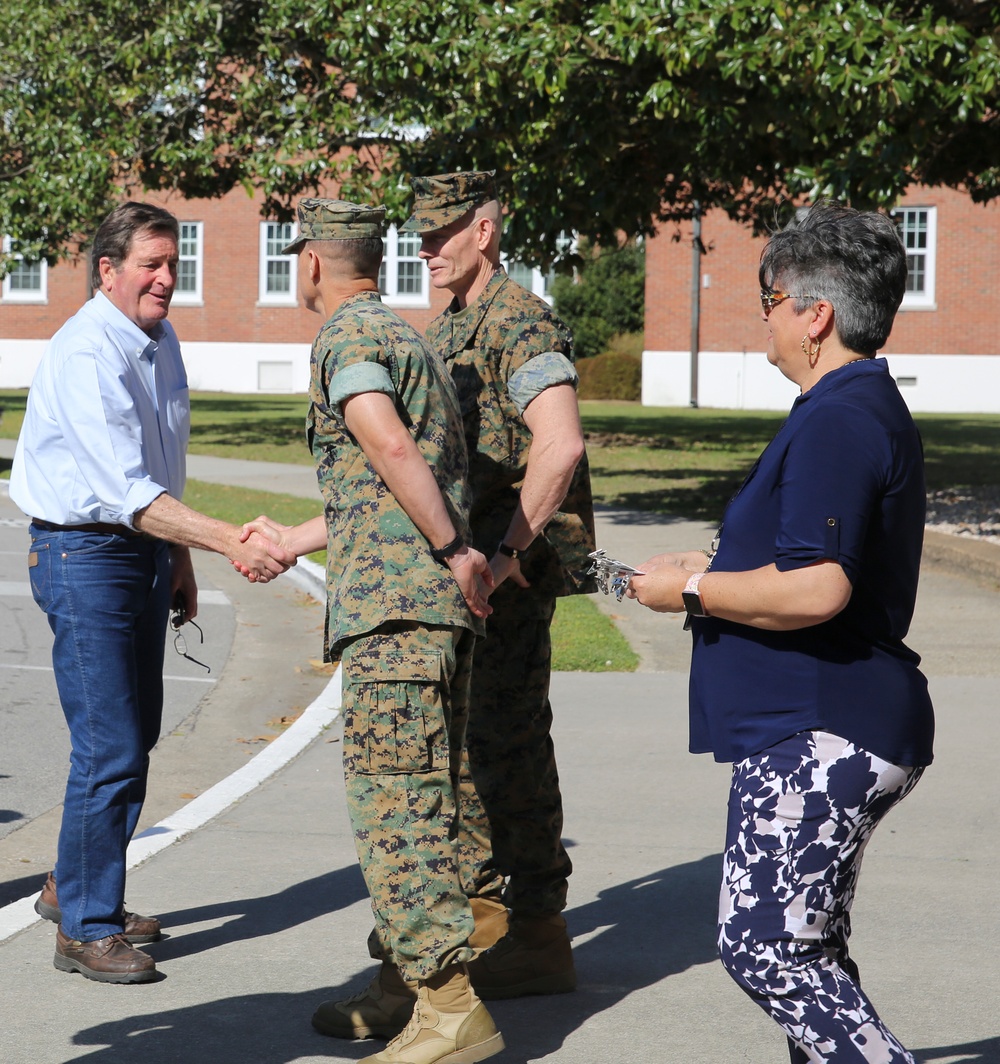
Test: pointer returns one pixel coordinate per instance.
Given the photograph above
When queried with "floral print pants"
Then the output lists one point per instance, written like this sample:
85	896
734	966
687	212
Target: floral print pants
800	815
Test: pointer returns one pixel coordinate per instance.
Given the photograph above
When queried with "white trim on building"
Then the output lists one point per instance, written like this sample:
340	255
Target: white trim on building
918	228
728	380
745	380
403	279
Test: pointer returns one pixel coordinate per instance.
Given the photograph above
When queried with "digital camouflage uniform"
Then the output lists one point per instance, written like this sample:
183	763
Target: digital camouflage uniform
405	635
503	350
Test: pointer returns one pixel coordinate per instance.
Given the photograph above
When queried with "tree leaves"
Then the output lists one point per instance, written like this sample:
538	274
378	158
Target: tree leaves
602	117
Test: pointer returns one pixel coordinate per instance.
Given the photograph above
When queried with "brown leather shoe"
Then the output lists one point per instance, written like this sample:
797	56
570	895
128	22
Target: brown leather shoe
108	960
137	928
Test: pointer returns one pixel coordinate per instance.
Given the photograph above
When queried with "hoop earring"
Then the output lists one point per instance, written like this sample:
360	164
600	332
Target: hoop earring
812	350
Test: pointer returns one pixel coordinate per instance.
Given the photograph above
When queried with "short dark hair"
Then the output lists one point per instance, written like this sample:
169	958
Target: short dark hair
855	259
361	255
113	239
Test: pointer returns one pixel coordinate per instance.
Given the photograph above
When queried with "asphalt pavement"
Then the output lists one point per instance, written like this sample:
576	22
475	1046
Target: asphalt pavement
265	912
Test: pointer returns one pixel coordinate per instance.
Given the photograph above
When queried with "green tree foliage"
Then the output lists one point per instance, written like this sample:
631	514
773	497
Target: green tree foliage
601	117
605	297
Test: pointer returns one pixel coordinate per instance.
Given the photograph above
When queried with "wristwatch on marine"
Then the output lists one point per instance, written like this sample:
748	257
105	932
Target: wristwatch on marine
691	598
510	552
442	554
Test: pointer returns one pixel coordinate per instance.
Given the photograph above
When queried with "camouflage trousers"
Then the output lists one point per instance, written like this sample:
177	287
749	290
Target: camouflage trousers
406	691
800	816
511	806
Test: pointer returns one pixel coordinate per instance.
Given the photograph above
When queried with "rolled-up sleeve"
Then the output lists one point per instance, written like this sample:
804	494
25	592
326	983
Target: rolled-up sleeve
356	379
831	481
542	371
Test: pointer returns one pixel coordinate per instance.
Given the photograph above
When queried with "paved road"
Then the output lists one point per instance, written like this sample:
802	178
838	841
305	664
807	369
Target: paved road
265	667
36	746
267	915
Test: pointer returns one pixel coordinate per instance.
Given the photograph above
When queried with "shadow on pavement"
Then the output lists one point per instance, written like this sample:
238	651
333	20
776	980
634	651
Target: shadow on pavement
250	918
638	934
27	886
247	1029
985	1052
634	934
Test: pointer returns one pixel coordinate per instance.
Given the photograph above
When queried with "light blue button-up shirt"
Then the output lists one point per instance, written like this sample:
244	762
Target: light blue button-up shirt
107	421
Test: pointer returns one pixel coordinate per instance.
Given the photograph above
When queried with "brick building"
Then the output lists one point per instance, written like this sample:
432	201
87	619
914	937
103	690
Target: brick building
242	328
235	309
945	345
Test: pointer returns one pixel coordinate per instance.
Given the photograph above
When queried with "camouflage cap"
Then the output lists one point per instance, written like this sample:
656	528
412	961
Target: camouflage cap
440	200
331	219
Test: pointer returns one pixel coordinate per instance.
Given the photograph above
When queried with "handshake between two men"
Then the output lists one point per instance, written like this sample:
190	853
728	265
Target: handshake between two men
283	545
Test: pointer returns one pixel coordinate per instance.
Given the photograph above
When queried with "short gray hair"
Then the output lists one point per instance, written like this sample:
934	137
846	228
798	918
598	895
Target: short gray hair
855	259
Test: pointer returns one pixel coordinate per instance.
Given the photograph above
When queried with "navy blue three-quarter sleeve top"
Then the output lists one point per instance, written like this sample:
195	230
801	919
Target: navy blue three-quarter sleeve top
841	480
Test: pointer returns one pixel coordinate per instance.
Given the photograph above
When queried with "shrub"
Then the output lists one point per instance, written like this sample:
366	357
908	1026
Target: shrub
608	297
613	375
630	343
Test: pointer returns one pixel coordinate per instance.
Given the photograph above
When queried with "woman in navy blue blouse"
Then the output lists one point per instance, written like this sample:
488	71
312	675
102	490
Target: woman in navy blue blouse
799	673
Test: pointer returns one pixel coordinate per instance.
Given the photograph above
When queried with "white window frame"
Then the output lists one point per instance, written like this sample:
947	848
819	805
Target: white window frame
392	259
541	282
9	294
535	282
193	298
278	299
926	298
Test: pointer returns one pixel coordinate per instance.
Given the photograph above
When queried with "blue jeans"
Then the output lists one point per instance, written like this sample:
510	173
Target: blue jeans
107	600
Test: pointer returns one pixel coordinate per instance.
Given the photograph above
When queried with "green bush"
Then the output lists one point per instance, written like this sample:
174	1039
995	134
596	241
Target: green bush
613	375
630	343
607	297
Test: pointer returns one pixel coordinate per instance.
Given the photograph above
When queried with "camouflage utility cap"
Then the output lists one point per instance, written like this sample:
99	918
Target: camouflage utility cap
333	219
440	200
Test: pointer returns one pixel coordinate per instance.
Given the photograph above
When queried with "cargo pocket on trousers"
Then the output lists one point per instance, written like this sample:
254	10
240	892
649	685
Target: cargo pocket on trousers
395	720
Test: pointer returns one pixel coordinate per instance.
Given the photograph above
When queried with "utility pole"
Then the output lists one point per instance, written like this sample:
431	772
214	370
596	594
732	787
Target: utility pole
695	300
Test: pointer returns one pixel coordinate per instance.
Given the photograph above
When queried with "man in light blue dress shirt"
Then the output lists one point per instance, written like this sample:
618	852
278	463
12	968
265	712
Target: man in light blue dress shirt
100	469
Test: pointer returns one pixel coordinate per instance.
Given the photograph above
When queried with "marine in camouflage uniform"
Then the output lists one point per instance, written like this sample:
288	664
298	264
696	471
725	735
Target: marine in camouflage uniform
399	621
505	348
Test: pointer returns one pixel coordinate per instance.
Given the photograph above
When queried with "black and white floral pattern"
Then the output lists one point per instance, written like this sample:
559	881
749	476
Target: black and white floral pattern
800	815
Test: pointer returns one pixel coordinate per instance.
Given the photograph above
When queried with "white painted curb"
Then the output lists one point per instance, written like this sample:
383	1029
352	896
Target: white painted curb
278	753
19	915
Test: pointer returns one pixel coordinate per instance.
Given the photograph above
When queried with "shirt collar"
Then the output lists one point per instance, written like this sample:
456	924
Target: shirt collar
465	320
135	340
843	375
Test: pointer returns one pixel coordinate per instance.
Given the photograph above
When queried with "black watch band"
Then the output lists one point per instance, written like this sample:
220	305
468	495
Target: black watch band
509	552
442	554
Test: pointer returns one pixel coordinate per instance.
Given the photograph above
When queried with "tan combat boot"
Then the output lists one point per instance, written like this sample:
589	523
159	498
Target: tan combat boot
534	957
449	1025
491	917
382	1008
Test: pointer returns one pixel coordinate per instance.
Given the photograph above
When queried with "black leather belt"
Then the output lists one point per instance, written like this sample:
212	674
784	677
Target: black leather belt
105	529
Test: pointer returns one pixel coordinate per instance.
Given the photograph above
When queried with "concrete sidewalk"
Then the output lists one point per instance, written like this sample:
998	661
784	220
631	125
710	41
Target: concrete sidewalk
266	911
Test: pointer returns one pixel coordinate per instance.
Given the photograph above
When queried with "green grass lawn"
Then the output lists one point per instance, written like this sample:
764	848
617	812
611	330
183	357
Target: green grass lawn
671	460
665	459
689	462
585	640
676	461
